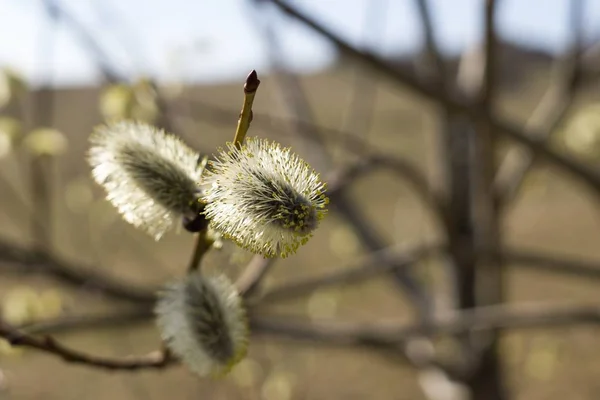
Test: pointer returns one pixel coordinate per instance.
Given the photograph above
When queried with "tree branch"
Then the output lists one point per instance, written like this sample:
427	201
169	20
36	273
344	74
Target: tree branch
516	316
340	179
555	264
248	282
47	344
377	262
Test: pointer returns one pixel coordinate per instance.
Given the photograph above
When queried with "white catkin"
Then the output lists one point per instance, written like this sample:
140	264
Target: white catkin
150	176
264	197
203	322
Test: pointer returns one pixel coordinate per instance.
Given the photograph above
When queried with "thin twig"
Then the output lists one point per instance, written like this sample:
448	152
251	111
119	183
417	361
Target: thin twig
202	243
87	40
433	52
382	335
482	319
375	263
47	344
250	88
549	113
576	267
341	179
70	323
249	281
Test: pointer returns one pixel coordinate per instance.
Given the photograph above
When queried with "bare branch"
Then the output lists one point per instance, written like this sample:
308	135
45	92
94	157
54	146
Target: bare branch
339	180
70	323
551	263
433	53
47	344
87	40
516	316
375	263
248	282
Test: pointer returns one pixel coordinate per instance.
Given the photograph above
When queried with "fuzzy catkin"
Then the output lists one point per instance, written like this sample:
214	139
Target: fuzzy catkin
203	322
150	176
264	197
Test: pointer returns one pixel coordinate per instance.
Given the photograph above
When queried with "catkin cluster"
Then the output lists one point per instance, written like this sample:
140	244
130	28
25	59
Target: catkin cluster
258	194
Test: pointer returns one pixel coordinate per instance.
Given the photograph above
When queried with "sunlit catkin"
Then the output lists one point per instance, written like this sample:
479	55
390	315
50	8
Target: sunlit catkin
203	322
264	197
149	175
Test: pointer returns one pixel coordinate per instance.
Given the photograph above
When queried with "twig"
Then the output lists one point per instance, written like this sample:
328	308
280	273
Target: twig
250	88
551	263
340	179
516	316
549	113
70	323
433	52
86	39
375	263
363	99
248	282
586	174
203	243
388	335
47	344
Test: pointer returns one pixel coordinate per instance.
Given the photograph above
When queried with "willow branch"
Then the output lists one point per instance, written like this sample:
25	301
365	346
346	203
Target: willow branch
49	345
577	267
248	282
375	263
516	316
340	179
250	88
432	51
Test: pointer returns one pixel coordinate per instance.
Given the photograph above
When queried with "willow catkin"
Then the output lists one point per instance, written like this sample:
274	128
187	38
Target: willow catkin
150	176
203	322
263	197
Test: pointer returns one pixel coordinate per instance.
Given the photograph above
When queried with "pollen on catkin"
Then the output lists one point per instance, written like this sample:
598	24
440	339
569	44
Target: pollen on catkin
203	322
263	197
150	176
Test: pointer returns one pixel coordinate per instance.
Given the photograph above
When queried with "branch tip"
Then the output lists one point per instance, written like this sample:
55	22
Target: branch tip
252	82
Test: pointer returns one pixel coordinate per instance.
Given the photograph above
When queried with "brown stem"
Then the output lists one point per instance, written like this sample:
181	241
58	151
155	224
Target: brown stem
47	344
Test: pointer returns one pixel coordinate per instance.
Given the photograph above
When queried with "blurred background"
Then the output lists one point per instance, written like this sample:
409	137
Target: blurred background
67	66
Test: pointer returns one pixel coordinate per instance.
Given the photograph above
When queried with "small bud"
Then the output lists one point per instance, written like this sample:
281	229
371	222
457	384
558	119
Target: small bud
264	197
150	176
203	322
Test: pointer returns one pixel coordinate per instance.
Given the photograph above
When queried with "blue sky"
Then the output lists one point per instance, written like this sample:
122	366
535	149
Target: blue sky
218	40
